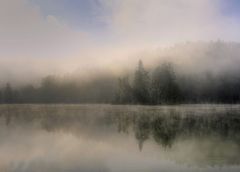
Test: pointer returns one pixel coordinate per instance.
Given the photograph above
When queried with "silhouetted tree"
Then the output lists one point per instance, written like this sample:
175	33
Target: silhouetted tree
141	85
229	89
48	90
1	97
125	91
29	94
164	88
8	95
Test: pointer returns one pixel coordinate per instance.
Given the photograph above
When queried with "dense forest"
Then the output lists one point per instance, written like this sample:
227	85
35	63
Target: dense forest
54	90
162	84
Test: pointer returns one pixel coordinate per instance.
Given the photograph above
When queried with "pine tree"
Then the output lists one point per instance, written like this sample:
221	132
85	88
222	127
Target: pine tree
124	94
164	88
8	94
141	85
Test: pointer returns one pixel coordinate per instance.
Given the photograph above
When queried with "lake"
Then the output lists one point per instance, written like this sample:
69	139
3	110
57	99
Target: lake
114	138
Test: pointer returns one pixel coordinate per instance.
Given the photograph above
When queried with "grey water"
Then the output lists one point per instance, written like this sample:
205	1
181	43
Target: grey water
113	138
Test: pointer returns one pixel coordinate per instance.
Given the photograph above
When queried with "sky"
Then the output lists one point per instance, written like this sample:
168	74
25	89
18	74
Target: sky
86	14
48	36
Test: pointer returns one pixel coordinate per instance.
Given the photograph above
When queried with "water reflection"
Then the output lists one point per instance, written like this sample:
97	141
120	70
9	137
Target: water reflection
110	138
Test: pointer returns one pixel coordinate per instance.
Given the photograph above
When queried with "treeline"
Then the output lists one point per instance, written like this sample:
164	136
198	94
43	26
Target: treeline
55	90
163	86
159	88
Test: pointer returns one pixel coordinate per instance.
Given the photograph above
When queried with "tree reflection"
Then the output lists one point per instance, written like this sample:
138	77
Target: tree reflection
164	127
142	130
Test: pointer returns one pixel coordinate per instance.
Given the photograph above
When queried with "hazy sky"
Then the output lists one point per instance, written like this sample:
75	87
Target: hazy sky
163	21
53	35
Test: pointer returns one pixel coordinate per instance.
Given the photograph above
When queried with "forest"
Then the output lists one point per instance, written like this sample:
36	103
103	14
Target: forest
164	86
161	85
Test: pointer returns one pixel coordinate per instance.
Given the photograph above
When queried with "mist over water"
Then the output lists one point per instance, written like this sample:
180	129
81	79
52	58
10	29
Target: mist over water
119	85
110	138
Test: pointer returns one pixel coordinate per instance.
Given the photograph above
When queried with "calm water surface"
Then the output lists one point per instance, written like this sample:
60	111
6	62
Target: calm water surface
105	138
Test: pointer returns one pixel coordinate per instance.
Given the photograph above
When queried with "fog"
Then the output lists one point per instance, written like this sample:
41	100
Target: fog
108	138
119	85
188	58
35	43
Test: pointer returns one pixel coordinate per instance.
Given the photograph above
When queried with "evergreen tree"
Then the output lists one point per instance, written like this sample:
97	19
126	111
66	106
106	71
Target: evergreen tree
48	90
8	96
1	97
164	88
124	94
141	85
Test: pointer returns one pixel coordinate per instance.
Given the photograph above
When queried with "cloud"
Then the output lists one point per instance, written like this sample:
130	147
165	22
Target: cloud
35	44
170	21
28	32
31	42
25	32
